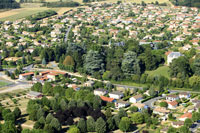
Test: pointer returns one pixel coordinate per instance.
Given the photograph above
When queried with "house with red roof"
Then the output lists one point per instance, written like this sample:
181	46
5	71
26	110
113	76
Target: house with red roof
107	99
24	76
172	104
185	116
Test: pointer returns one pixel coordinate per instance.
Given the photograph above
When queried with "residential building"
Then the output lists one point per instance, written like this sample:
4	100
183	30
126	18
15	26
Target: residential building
136	98
24	76
172	97
34	95
100	92
140	106
121	104
172	104
171	56
116	95
184	95
185	116
177	124
161	111
107	99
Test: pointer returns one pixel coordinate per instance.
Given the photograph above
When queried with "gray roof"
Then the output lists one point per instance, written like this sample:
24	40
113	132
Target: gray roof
34	93
116	93
175	54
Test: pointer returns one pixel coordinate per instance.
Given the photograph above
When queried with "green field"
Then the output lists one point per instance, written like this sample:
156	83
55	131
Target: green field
22	13
163	71
2	83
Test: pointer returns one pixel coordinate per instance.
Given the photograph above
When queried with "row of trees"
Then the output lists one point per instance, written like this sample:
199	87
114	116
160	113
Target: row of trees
5	4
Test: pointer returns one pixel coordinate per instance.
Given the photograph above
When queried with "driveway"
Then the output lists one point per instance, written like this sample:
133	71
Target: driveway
150	103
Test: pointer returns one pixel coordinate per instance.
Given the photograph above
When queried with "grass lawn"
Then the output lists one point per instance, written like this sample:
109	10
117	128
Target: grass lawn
4	83
128	83
163	70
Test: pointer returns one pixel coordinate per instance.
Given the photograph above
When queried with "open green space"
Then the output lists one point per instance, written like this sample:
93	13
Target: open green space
4	83
163	71
23	12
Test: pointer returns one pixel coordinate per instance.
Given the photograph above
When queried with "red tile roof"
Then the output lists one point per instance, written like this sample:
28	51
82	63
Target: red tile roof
186	115
107	99
26	74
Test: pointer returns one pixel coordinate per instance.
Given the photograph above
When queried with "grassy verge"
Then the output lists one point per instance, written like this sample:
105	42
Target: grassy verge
128	83
163	71
2	83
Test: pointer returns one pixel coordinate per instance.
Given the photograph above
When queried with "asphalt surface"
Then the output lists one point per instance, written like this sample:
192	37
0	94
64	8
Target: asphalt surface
67	33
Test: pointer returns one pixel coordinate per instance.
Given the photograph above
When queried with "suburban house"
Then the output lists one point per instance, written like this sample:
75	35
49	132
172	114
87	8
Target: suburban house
161	111
89	83
34	95
121	104
25	75
172	104
195	101
116	95
100	92
185	116
140	106
177	124
171	56
172	97
136	98
184	95
107	99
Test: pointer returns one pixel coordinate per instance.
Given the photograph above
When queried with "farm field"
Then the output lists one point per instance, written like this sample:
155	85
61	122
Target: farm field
27	10
163	71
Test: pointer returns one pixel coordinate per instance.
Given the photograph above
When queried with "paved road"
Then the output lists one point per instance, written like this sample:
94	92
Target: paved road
194	130
150	102
67	33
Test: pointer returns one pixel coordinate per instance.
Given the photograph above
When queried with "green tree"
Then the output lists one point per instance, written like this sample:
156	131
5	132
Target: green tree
133	109
90	124
137	118
196	65
73	129
63	105
17	112
40	113
124	124
94	63
9	127
180	66
163	104
111	124
37	87
49	118
122	113
188	123
55	124
47	88
108	113
184	129
195	116
100	125
82	125
130	63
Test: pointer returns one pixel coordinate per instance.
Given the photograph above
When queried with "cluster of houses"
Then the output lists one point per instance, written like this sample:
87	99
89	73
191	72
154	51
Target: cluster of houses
116	98
42	77
181	22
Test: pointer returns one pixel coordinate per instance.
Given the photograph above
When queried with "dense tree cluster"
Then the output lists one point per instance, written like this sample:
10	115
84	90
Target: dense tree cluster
42	15
4	4
62	4
189	3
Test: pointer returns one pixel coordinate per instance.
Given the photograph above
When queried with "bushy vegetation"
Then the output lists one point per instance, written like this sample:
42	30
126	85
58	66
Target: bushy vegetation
4	4
62	4
189	3
42	15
